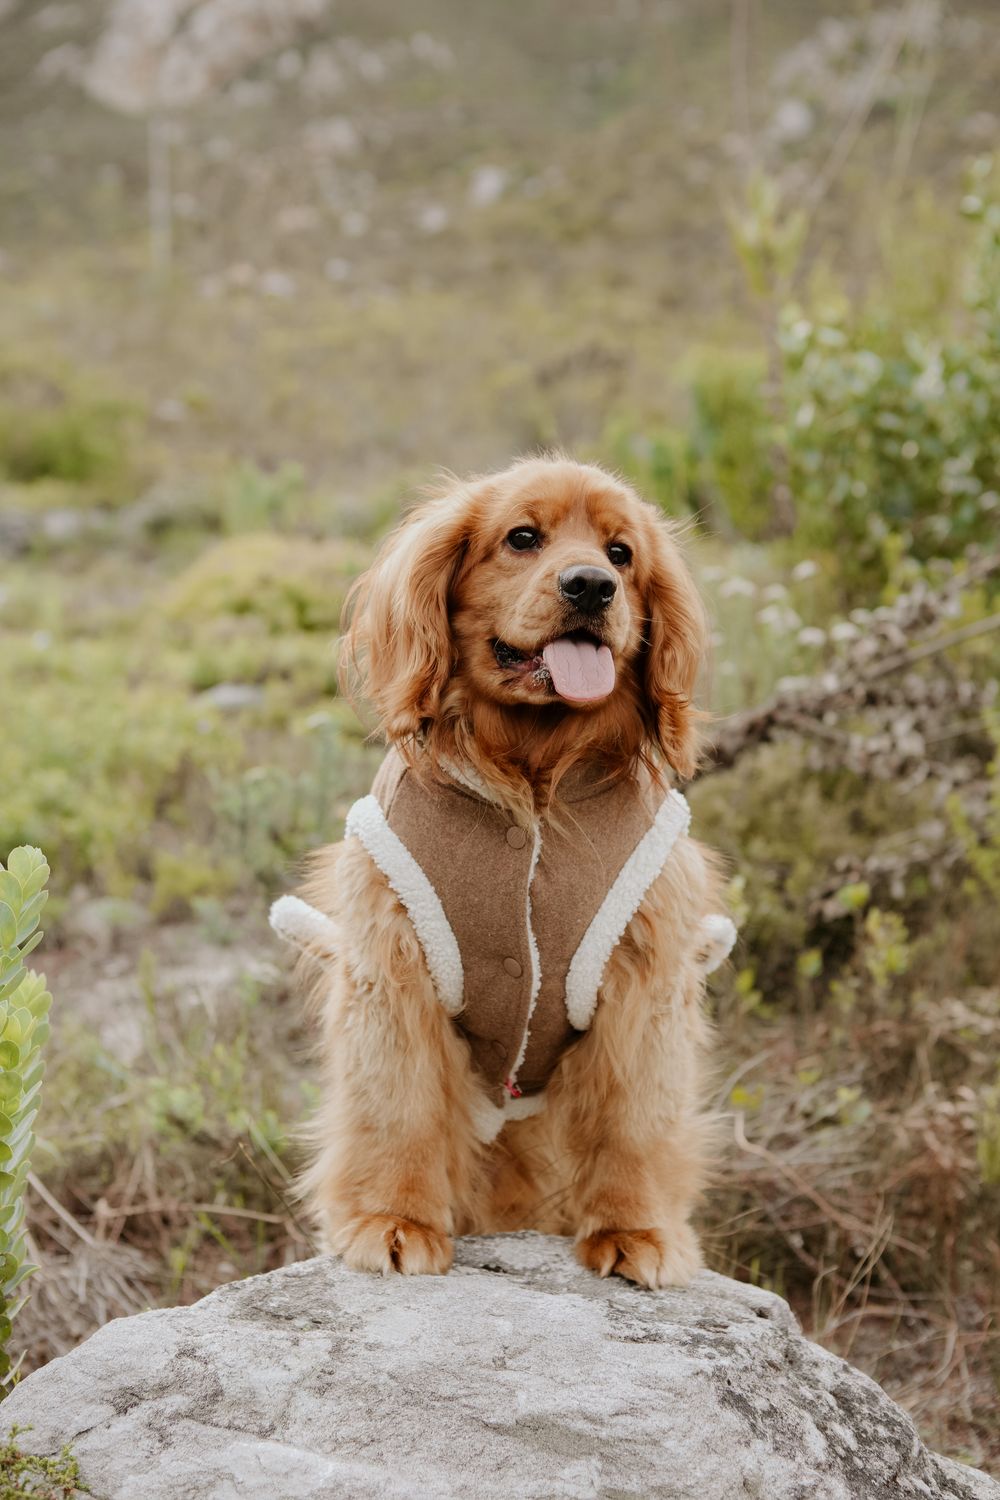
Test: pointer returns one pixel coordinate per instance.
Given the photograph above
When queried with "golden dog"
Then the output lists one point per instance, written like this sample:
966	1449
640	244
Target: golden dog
516	633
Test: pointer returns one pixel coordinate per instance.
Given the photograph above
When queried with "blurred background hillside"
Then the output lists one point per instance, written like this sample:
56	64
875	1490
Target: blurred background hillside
264	268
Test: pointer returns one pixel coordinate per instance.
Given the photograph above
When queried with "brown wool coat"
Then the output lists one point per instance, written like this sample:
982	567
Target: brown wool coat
517	921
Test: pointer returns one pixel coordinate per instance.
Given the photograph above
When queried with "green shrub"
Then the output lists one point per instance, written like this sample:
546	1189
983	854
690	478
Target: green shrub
893	440
657	462
287	583
31	1474
101	746
54	427
718	466
253	500
24	1004
730	441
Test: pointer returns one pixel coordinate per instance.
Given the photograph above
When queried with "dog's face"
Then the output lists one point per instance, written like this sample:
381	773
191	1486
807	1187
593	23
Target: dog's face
548	603
549	586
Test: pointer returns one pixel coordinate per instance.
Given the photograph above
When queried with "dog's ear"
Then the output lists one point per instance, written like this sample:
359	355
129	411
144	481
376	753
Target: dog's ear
676	643
397	650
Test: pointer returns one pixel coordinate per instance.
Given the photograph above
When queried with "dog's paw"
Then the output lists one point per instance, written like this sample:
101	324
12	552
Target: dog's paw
387	1243
650	1257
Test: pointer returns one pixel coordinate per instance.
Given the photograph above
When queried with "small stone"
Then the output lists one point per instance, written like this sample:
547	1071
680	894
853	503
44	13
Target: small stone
229	696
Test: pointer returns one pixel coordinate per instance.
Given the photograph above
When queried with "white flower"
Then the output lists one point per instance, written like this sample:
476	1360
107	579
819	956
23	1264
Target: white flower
779	618
775	591
433	218
276	284
804	570
812	636
737	588
354	223
487	185
844	631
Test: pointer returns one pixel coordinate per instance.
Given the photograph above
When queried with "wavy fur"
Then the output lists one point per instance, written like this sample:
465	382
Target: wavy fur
617	1157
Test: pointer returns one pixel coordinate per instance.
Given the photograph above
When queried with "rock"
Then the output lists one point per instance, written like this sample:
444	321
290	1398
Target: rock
228	696
518	1374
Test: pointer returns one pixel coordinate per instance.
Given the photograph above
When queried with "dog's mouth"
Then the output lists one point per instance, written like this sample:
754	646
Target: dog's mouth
579	667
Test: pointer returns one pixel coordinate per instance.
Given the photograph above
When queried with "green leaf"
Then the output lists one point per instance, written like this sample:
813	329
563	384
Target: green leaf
26	862
14	976
31	945
10	889
6	1126
34	883
30	913
10	1056
39	1003
32	1076
22	1141
19	1024
8	926
26	1270
40	1035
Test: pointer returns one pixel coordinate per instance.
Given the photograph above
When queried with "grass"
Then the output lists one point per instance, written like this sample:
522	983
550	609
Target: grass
192	471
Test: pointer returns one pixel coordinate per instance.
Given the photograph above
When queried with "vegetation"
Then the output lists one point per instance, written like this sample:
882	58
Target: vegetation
194	465
24	1006
43	1478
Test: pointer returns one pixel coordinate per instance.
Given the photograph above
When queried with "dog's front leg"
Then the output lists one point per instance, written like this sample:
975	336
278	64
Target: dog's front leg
395	1148
628	1097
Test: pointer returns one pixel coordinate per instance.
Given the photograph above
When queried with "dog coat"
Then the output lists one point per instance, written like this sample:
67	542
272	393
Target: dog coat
517	920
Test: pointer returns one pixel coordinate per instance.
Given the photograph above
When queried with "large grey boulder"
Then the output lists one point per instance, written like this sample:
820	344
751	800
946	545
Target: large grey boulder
518	1375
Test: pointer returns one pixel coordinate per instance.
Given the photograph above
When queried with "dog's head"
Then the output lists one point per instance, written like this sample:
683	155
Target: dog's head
544	605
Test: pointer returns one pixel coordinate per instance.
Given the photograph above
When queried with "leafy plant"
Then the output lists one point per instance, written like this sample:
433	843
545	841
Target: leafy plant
893	443
24	1005
32	1474
57	425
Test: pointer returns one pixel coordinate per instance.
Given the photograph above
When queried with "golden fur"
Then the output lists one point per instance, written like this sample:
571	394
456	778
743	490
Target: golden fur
617	1157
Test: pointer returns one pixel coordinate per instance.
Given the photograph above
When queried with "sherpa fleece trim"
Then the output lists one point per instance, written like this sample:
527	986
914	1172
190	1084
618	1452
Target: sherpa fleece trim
716	935
299	923
620	906
367	822
489	1119
536	962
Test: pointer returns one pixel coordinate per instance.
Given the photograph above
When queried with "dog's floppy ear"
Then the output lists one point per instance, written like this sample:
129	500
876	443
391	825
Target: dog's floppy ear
676	641
397	648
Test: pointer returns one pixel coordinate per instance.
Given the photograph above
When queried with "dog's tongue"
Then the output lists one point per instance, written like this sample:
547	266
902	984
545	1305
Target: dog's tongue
581	672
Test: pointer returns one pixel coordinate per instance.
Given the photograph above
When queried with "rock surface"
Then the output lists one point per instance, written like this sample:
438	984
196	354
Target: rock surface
517	1375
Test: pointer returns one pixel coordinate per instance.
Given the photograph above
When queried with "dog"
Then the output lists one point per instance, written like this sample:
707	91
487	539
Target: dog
510	944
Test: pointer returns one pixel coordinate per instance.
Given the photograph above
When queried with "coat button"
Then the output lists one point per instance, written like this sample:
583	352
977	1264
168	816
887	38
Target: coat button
516	837
513	968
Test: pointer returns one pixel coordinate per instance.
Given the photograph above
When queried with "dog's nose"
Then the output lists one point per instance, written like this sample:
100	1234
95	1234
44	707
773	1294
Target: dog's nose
588	589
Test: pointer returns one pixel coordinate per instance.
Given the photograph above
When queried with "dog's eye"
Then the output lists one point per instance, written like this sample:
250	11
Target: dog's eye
619	554
524	538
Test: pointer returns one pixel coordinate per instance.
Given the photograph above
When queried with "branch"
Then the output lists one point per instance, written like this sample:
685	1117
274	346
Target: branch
859	679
